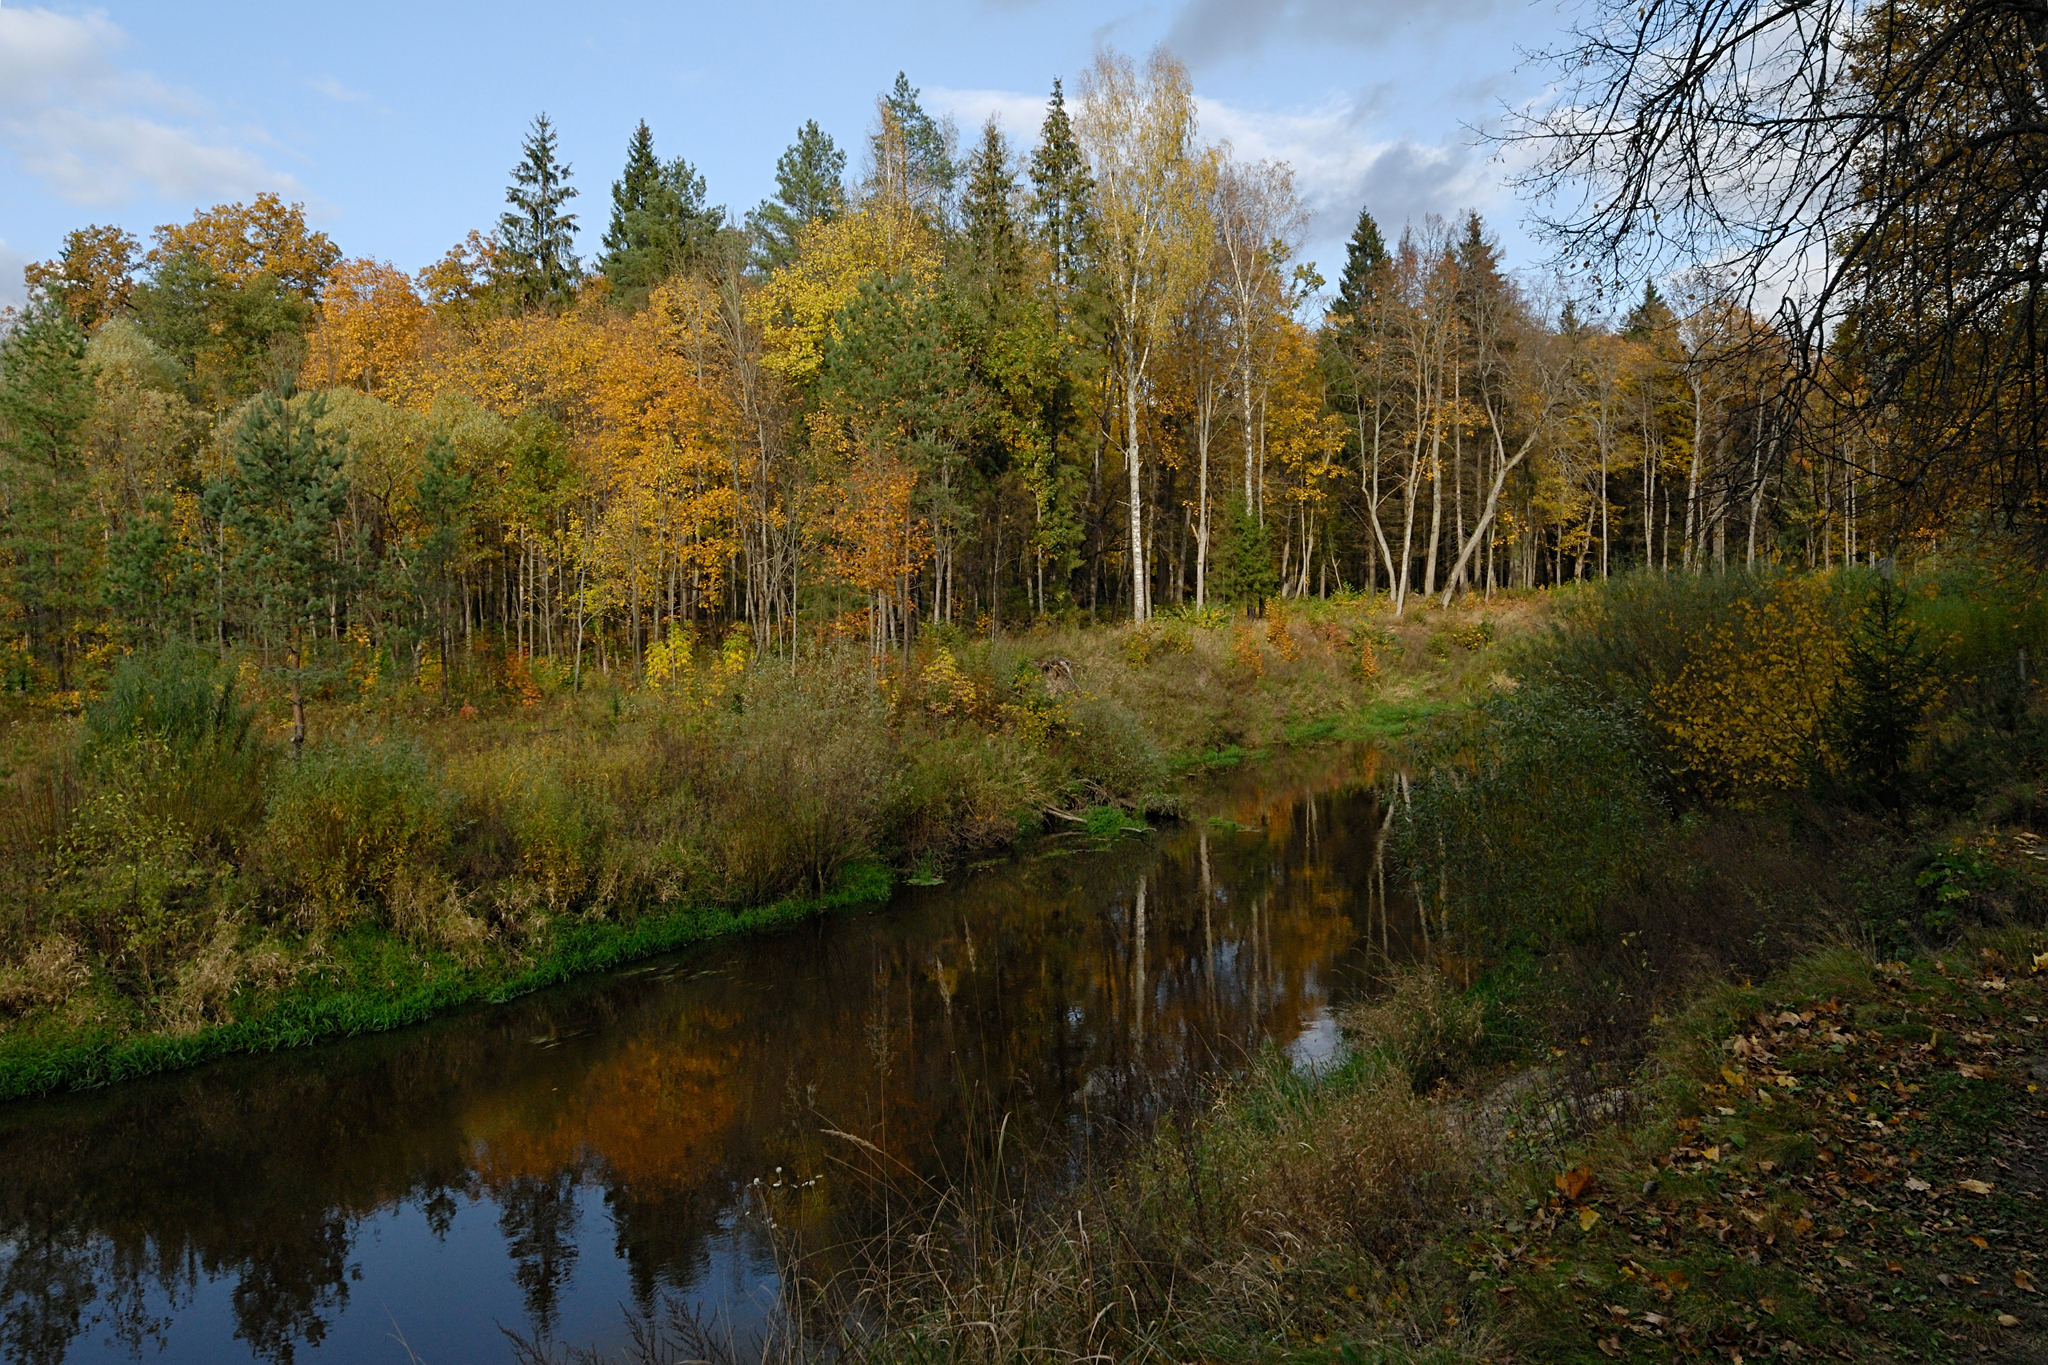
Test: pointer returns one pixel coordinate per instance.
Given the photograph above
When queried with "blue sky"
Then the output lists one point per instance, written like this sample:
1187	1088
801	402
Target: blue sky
396	124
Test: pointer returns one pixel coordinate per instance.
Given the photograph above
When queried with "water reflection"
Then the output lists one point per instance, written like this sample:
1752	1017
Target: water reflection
537	1166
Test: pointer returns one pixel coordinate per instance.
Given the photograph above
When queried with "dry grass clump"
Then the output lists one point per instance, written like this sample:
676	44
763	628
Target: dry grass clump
1283	1212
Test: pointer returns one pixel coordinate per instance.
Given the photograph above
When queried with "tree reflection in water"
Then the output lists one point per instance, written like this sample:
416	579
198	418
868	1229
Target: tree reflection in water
308	1204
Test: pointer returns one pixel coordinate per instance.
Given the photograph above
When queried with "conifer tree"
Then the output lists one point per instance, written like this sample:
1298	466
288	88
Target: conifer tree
537	238
281	501
442	508
1651	317
988	212
807	188
46	545
928	169
1366	268
1060	194
660	221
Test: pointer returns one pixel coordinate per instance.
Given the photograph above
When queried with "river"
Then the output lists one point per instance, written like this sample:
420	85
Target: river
552	1167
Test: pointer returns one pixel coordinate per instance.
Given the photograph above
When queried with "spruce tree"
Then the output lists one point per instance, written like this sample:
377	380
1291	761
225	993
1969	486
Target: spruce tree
807	188
1060	195
1366	266
537	237
988	212
632	191
1247	559
660	222
46	394
1651	317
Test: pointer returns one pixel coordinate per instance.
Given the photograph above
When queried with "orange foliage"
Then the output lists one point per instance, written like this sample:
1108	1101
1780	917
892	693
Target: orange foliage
241	241
372	334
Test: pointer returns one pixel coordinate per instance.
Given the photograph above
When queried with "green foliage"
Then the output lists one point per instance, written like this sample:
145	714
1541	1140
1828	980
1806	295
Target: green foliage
46	545
178	695
807	188
281	502
1245	573
352	818
793	802
660	221
230	337
537	235
1529	811
1894	679
1367	271
1110	754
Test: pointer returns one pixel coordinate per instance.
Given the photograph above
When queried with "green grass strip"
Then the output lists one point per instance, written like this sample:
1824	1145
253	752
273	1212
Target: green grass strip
32	1067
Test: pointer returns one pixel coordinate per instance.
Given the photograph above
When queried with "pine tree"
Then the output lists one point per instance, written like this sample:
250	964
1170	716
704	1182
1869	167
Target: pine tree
1366	269
929	173
46	544
538	239
660	221
807	188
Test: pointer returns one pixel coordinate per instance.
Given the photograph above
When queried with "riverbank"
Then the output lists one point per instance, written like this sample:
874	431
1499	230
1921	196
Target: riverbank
180	888
1842	1160
1721	1038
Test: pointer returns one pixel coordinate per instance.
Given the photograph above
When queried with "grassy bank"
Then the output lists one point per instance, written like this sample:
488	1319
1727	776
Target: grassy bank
178	885
1842	1160
1725	1040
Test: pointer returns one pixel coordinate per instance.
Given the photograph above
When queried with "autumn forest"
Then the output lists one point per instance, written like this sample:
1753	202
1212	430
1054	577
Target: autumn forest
965	385
1478	808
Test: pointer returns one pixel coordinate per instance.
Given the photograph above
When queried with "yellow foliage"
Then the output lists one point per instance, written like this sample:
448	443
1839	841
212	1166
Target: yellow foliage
835	256
240	241
671	666
372	334
1745	713
1278	635
1246	652
947	690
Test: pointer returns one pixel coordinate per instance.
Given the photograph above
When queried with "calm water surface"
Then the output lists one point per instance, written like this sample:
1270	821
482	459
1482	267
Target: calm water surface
552	1166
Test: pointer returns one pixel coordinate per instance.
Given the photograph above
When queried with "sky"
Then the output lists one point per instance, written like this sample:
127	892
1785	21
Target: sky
397	124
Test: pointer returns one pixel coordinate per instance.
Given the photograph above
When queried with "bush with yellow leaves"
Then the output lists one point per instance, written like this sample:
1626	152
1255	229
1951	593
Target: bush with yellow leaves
1747	711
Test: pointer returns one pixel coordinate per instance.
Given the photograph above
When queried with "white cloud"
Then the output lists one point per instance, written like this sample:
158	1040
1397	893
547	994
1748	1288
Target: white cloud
1339	163
98	135
13	290
1019	116
335	90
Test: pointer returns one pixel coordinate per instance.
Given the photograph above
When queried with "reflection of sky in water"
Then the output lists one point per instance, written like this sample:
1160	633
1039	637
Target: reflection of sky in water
577	1155
1320	1044
409	1288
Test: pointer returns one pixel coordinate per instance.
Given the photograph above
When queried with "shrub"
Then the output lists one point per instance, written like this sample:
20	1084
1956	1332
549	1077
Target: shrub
802	777
1109	754
179	695
965	791
1528	812
1425	1027
174	736
349	819
1733	675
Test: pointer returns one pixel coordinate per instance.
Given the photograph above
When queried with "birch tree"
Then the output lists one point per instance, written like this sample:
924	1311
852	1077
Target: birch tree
1151	196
